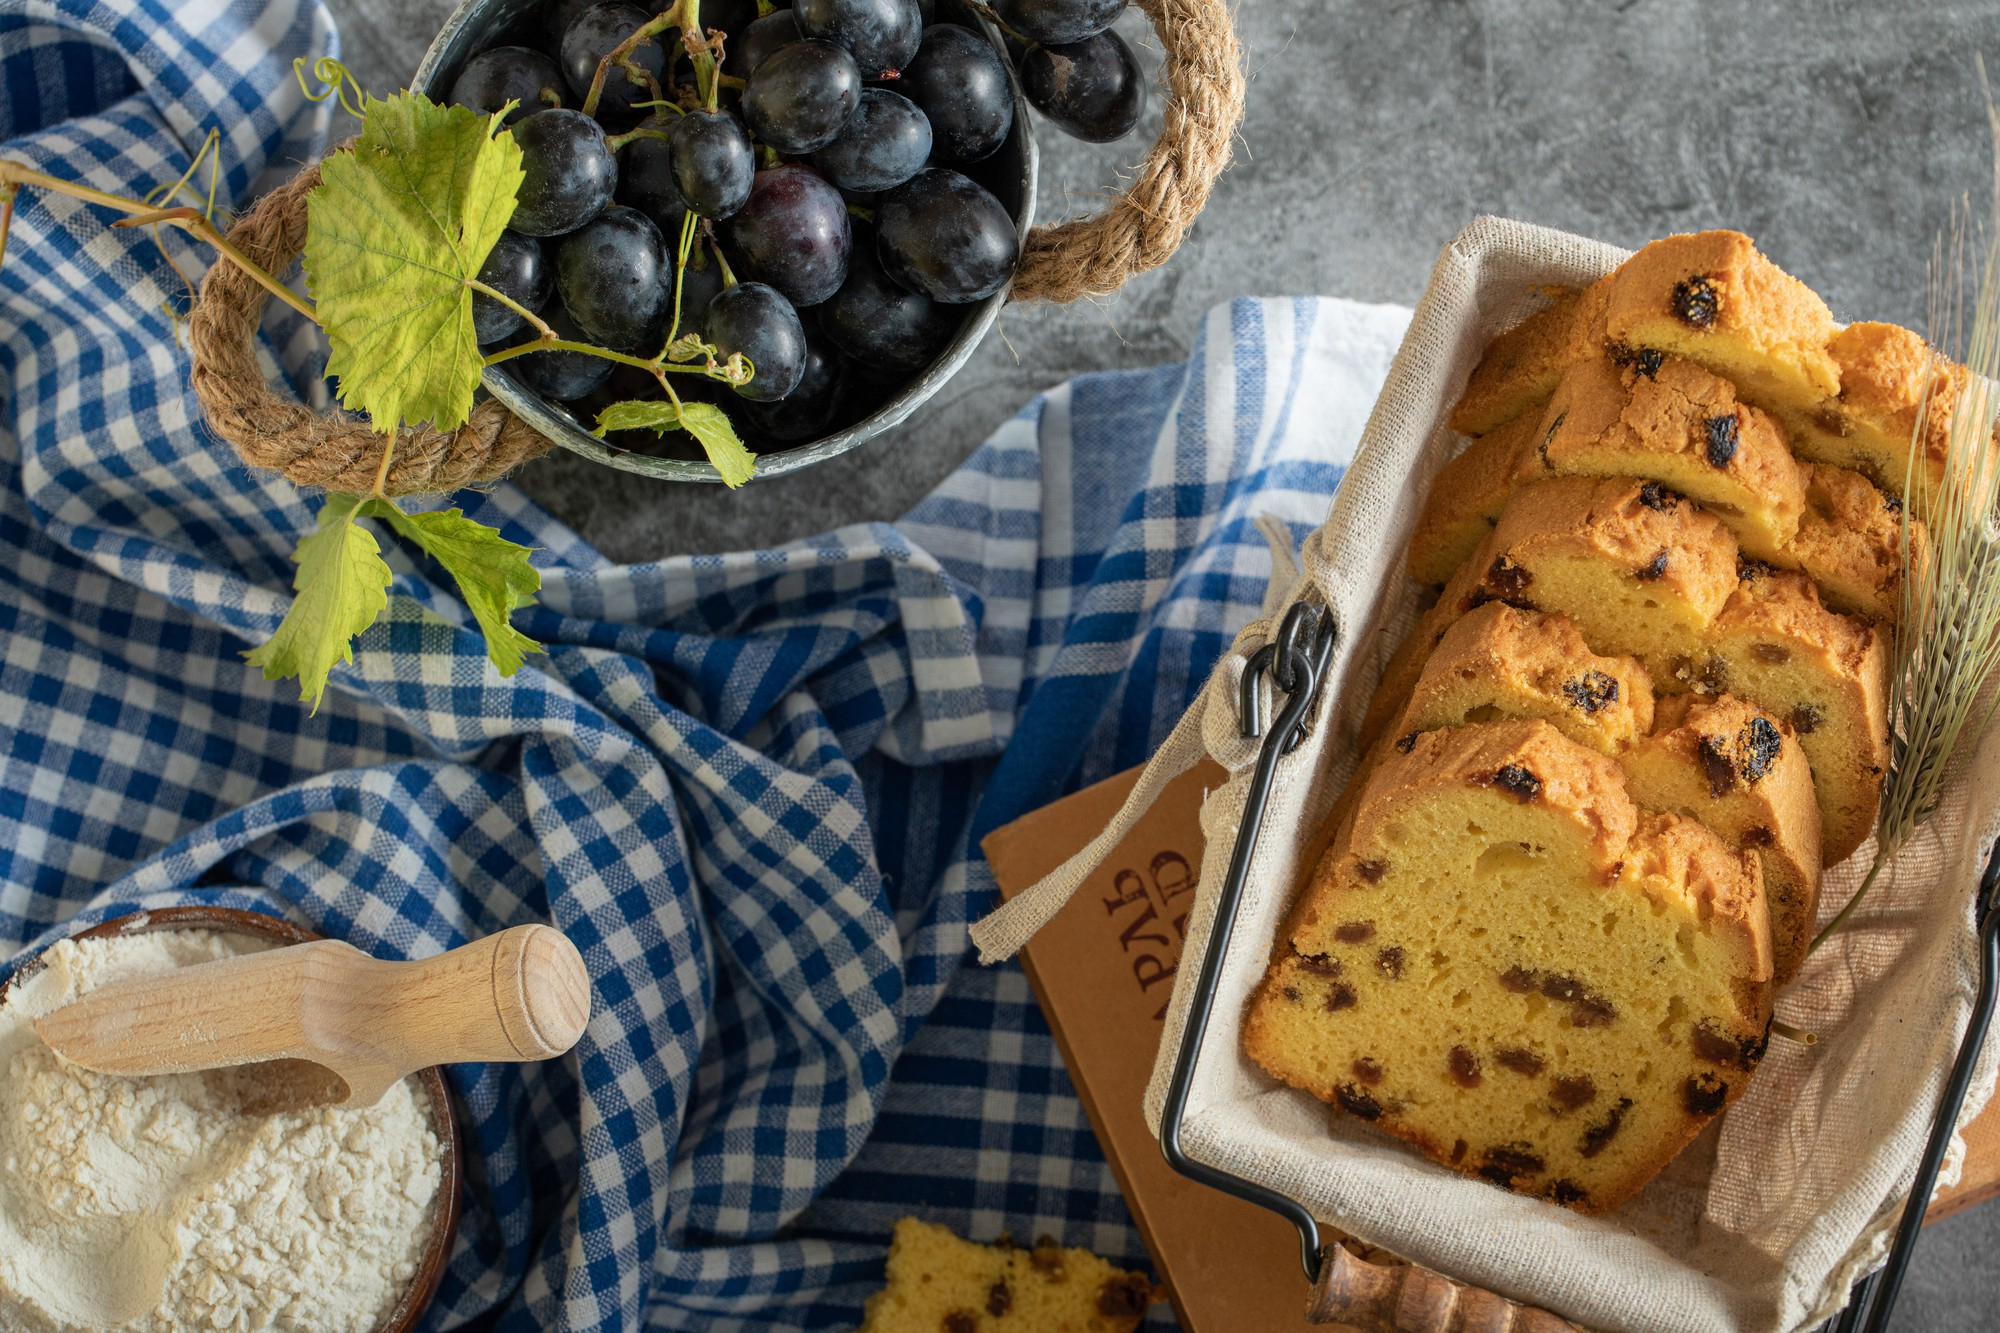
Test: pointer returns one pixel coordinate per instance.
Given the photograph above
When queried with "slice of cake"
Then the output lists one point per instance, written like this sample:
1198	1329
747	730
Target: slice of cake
1741	772
1892	385
1466	499
1711	297
1850	543
1825	676
941	1284
1501	662
1506	964
1520	367
1670	421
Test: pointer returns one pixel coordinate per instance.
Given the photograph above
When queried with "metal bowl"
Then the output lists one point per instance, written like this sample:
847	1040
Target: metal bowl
1009	173
416	1298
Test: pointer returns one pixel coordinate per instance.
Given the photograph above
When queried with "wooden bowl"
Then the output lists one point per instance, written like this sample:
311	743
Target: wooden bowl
404	1315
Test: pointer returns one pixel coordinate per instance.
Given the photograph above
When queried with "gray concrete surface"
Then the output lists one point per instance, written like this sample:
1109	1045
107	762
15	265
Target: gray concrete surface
1835	131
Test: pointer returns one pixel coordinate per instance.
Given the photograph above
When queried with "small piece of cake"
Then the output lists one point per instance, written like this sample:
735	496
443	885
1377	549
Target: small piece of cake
1520	367
1666	419
1506	964
1711	297
941	1284
1741	772
1824	675
1636	552
1887	375
1501	662
1851	543
1467	497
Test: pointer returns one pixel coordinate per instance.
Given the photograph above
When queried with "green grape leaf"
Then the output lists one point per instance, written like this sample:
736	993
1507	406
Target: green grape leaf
687	347
493	574
710	424
342	585
394	231
705	421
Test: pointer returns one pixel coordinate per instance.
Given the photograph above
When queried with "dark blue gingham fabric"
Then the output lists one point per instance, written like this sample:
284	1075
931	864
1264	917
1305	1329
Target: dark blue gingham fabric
748	787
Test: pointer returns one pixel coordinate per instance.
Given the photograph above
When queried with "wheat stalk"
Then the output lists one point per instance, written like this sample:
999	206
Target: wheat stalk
1947	636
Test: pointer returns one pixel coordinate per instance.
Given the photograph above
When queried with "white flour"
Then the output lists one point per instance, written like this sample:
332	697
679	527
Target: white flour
156	1205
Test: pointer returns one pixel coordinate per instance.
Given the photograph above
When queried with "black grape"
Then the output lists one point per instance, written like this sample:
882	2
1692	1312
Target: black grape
514	267
568	173
881	35
801	95
493	78
731	16
742	56
807	411
1058	21
882	324
794	234
612	276
646	182
597	32
560	375
713	162
947	237
885	142
961	84
759	322
1091	89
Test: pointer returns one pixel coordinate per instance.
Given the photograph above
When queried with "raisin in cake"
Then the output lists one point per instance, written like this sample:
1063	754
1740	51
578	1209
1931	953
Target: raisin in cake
1741	772
1711	297
1505	963
941	1284
1520	367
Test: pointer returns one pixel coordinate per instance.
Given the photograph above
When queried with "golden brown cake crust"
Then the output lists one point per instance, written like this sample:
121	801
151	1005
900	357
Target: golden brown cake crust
1467	497
1520	367
1851	543
1668	420
1498	661
1712	297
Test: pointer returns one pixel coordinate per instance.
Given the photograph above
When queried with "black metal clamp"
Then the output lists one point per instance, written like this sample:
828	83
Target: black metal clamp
1296	663
1875	1295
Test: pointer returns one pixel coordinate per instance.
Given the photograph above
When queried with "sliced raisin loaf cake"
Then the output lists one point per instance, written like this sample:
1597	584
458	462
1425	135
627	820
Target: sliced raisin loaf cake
1505	963
941	1284
1645	573
1741	772
1891	383
1718	760
1670	421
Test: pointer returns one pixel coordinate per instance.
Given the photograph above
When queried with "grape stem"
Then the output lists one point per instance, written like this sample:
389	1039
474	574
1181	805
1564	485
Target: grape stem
139	213
618	141
618	55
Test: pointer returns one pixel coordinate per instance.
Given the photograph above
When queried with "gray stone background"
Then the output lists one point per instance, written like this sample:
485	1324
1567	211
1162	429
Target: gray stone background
1837	132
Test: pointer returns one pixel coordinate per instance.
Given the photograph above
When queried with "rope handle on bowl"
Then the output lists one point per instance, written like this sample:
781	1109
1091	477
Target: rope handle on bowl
277	431
1143	227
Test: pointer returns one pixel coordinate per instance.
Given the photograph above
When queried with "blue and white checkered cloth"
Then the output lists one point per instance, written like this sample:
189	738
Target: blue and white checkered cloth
750	788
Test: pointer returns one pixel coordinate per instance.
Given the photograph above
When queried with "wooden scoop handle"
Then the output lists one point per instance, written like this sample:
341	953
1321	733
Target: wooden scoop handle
522	994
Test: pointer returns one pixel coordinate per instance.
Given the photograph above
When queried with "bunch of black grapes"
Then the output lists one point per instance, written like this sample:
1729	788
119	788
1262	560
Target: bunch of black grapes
833	165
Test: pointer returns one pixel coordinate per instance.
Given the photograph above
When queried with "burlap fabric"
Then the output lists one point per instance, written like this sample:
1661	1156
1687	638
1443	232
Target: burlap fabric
1763	1223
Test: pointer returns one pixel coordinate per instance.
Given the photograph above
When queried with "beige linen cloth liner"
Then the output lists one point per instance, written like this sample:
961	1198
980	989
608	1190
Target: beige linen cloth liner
1763	1223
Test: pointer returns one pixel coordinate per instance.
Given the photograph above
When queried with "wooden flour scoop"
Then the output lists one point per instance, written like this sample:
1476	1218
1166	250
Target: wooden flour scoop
519	995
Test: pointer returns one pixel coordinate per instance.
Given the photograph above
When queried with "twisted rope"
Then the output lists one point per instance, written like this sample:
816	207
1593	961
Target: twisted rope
1087	257
1144	226
277	431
